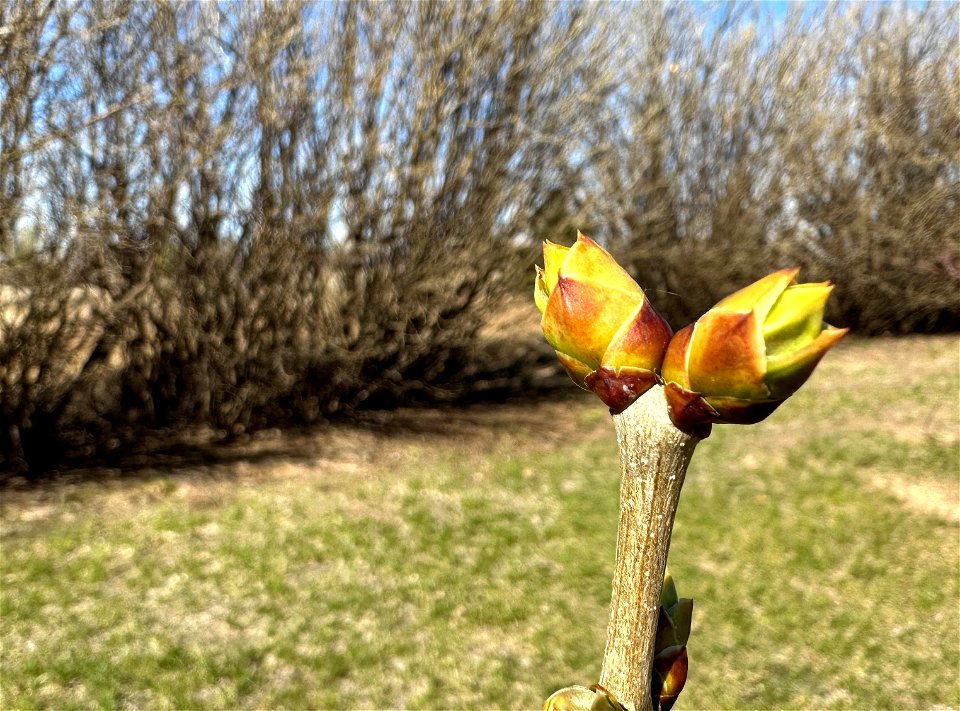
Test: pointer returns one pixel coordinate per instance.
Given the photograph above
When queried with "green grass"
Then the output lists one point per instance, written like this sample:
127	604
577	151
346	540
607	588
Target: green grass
470	567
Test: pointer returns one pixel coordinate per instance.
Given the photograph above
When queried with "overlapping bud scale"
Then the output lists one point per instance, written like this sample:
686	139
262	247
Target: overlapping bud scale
738	362
607	335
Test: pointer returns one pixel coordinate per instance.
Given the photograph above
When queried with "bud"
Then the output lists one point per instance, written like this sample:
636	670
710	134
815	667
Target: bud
570	698
670	661
669	676
607	335
581	698
747	354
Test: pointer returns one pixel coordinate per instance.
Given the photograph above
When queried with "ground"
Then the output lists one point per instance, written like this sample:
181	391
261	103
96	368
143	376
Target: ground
462	558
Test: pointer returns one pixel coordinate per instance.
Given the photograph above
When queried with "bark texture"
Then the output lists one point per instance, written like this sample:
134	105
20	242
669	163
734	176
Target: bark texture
653	459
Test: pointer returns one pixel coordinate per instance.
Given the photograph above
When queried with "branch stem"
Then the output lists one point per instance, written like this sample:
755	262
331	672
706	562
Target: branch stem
653	460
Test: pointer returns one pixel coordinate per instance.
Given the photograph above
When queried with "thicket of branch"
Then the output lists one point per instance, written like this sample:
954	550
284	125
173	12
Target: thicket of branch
831	142
246	214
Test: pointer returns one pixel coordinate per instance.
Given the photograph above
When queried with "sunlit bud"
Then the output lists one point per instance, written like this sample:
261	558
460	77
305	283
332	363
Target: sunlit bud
747	354
607	335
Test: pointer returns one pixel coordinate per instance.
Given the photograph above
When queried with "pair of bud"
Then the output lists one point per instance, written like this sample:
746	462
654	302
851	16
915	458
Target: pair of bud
735	364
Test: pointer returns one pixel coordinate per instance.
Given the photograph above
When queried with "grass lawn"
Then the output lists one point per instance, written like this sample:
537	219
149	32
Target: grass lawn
463	560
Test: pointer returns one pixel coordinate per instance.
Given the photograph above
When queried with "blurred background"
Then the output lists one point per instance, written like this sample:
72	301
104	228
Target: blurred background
239	241
242	215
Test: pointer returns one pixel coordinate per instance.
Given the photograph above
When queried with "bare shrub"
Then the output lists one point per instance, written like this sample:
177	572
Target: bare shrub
829	141
291	208
239	215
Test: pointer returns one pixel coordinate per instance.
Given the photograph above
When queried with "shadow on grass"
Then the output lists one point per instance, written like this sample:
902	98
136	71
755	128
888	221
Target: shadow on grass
159	454
193	452
502	413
